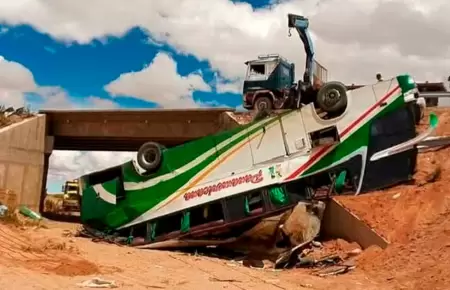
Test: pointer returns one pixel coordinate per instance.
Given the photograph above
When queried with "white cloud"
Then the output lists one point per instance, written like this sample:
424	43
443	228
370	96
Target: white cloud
159	82
227	86
354	38
66	165
57	98
15	80
93	102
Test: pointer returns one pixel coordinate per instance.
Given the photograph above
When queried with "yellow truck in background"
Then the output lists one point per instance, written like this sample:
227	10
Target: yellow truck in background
72	193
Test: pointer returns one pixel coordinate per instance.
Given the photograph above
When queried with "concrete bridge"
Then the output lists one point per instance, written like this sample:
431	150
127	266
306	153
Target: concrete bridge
126	130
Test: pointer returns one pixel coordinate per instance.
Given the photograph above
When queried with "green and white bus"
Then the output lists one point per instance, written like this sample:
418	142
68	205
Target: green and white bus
223	183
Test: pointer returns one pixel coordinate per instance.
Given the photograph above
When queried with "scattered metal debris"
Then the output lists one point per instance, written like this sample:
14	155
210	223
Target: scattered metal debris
434	141
8	111
99	236
3	210
97	283
214	279
335	270
29	213
9	115
301	257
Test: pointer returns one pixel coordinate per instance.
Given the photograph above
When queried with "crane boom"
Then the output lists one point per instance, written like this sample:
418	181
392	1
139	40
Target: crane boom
301	24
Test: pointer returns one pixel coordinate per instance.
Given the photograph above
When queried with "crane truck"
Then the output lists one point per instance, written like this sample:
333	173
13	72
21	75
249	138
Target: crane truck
270	84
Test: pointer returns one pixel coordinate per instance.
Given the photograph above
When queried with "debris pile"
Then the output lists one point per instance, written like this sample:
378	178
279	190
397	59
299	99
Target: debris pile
97	283
329	258
9	115
289	240
11	214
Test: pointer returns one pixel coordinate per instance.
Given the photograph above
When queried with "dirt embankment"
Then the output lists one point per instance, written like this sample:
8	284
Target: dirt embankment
48	255
443	114
416	220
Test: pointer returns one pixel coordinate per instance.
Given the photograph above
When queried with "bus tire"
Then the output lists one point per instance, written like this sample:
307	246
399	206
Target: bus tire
332	97
149	156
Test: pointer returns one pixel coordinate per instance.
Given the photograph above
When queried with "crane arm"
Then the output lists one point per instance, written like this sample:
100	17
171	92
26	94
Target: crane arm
301	24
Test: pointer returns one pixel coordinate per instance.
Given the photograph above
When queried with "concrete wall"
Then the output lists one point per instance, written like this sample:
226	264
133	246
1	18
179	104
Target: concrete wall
22	148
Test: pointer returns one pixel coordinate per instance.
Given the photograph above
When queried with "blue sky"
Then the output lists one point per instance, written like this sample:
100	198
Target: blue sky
83	70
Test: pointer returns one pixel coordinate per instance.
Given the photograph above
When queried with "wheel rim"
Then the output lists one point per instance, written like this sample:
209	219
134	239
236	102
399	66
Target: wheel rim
262	105
332	97
149	157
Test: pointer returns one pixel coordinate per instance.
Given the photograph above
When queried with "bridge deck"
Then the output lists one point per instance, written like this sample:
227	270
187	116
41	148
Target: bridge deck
126	130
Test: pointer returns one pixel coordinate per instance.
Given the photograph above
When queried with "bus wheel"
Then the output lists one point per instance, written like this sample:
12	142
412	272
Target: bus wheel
149	156
332	97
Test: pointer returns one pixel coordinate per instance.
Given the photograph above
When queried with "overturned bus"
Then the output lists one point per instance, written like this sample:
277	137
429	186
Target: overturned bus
222	184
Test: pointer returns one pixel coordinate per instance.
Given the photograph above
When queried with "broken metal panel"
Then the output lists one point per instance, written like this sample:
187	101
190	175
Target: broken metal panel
338	222
434	141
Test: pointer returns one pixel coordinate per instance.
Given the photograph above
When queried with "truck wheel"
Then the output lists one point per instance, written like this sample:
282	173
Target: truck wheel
149	156
332	97
263	103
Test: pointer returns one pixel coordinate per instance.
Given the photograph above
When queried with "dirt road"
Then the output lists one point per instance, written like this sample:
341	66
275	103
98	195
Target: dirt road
44	259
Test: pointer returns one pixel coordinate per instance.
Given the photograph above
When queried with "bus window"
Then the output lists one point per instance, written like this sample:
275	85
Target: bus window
206	214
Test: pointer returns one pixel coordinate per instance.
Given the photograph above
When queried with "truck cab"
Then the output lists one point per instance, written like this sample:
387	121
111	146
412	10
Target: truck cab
268	82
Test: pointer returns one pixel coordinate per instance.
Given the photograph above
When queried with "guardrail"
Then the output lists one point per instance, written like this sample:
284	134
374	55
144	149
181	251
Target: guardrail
435	95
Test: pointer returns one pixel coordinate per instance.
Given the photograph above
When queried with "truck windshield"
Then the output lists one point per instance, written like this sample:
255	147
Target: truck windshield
72	188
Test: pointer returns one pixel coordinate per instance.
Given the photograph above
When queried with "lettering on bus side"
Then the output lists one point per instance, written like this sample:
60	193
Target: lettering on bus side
208	190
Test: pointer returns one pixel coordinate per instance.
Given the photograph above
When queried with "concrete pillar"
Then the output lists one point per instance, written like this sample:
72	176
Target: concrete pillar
43	193
22	147
48	149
